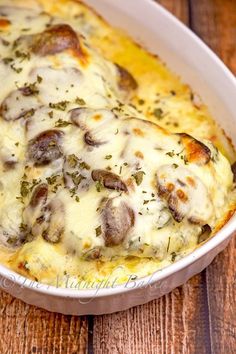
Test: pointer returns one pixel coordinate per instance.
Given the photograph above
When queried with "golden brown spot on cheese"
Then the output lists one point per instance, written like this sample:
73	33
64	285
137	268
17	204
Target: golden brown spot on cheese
4	22
181	195
226	218
170	187
213	138
22	266
138	132
196	151
191	181
86	244
83	56
97	117
139	154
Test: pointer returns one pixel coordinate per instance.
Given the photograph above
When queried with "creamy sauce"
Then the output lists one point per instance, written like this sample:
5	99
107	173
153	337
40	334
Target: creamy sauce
170	188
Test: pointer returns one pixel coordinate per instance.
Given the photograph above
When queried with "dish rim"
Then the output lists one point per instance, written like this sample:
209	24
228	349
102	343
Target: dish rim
222	235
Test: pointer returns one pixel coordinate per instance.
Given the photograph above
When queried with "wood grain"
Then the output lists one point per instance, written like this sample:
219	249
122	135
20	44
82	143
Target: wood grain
221	289
179	8
26	329
176	323
215	22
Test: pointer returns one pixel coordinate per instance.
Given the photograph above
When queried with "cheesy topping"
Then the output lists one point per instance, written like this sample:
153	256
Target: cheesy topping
89	180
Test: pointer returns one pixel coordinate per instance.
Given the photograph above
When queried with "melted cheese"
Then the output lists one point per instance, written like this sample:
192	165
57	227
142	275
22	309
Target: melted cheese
90	186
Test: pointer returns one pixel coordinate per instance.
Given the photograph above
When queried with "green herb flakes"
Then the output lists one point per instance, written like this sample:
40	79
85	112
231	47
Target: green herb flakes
171	153
141	101
7	60
50	114
23	56
98	231
72	160
25	188
84	166
39	79
138	176
80	101
158	113
61	123
17	70
98	186
61	106
52	179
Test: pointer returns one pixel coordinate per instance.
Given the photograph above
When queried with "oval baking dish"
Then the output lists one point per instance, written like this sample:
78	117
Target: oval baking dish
198	66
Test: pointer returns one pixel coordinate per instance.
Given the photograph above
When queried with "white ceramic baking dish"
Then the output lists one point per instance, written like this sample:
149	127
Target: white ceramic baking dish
184	53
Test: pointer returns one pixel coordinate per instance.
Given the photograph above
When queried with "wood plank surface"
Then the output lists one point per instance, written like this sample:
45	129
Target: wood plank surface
176	323
179	8
26	329
215	22
198	317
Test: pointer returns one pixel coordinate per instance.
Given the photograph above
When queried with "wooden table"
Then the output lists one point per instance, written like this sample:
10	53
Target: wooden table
199	317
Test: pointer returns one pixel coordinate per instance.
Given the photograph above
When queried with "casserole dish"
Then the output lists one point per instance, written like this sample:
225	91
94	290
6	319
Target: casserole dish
142	290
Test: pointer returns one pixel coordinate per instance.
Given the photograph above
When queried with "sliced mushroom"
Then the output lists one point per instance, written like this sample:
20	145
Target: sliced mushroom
117	220
100	135
79	116
55	224
17	105
29	90
109	180
233	168
126	81
206	231
92	254
91	140
87	118
186	196
39	196
56	39
16	239
173	204
43	217
31	219
45	147
34	213
196	151
98	124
